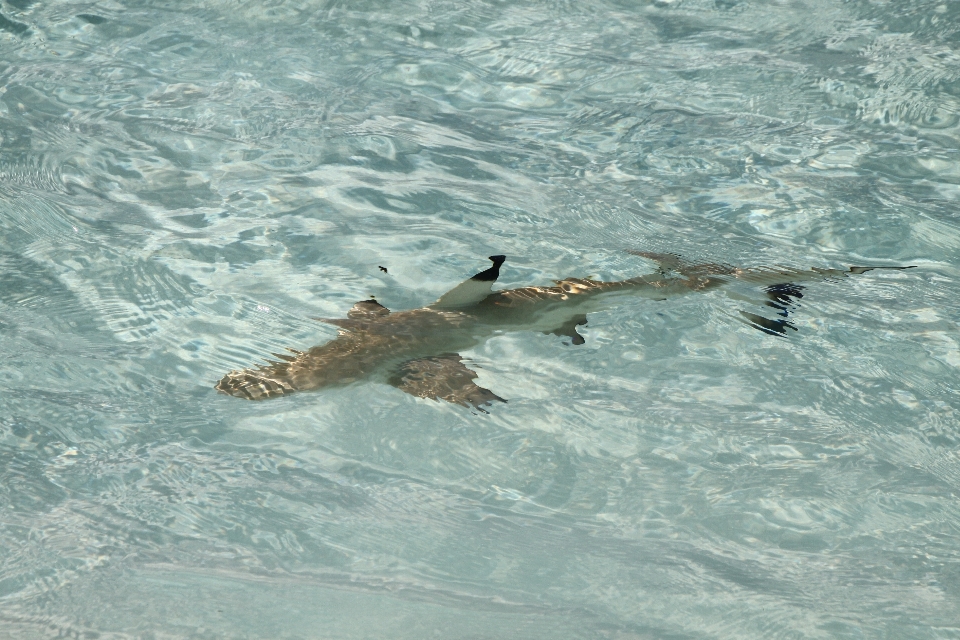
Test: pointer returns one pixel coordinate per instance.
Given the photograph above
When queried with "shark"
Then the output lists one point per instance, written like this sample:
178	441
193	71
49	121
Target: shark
419	350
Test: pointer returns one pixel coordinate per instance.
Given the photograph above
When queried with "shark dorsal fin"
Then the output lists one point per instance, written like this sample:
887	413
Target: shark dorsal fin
473	290
366	310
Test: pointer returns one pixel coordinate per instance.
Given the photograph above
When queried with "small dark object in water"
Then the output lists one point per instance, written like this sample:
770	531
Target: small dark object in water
384	269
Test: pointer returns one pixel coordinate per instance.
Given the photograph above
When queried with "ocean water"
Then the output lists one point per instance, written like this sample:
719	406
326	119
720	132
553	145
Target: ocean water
185	185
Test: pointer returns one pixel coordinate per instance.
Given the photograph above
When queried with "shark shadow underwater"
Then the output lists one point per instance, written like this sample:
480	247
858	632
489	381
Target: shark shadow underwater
417	351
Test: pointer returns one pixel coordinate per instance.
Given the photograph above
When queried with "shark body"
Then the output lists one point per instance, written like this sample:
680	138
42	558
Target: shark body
418	350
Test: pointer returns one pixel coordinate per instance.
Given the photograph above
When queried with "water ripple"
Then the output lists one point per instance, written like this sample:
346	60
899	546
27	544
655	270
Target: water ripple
183	189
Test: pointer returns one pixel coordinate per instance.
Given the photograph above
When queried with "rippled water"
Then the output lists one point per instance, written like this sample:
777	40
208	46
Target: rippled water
184	185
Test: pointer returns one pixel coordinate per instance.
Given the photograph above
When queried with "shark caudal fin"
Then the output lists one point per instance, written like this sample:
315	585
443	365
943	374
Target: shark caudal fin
473	290
783	298
675	263
780	284
787	275
783	292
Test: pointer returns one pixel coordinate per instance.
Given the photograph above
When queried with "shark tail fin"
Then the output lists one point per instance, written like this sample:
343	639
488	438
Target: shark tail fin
473	290
785	275
674	262
783	292
783	298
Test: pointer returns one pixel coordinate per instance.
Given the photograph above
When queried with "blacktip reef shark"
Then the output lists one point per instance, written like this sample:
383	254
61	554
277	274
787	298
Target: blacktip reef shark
418	350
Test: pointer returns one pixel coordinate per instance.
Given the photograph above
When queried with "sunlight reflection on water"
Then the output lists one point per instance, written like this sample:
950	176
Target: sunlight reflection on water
184	189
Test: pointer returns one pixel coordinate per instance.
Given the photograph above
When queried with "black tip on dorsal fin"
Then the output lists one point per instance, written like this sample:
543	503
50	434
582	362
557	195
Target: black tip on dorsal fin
493	272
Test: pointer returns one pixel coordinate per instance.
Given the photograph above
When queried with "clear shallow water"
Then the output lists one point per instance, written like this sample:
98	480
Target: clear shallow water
183	188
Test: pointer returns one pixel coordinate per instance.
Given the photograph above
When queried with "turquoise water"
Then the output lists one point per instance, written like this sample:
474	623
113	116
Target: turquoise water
184	185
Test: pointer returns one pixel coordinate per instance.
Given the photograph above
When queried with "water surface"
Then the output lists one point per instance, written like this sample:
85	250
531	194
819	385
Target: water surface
183	186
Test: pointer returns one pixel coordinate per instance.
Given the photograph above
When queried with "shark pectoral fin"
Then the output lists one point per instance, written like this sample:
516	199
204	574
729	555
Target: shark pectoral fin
443	378
473	290
569	329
